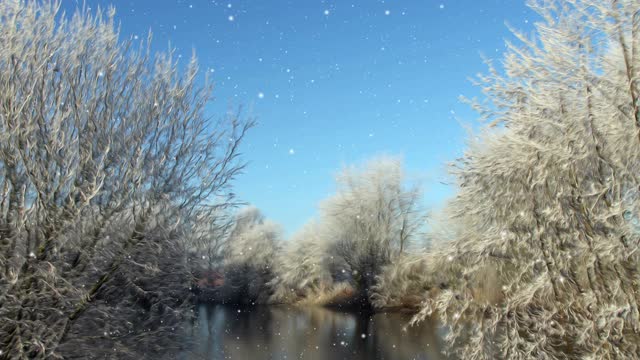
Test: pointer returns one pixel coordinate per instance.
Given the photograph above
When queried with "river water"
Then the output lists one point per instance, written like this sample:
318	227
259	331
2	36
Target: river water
283	332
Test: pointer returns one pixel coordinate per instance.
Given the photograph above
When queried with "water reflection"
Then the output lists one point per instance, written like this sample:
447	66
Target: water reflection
281	332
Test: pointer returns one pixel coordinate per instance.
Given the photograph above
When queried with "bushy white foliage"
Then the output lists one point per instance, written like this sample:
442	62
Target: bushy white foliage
372	219
250	258
546	211
106	162
303	268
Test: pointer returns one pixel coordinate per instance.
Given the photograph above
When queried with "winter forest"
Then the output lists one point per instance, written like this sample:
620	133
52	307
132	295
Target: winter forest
121	229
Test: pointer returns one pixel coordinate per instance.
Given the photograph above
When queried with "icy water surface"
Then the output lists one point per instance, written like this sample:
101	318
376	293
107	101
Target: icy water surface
281	332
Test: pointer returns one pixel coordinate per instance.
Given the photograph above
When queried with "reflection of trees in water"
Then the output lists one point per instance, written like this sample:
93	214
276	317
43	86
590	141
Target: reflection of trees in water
309	333
230	331
423	341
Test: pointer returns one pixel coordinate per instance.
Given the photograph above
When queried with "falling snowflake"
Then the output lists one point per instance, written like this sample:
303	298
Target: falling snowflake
231	18
326	12
261	95
387	12
291	151
441	6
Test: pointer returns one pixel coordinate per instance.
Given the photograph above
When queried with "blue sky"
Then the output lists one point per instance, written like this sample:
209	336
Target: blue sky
334	83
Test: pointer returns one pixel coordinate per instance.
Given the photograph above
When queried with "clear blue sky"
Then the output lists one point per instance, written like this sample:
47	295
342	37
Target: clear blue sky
333	83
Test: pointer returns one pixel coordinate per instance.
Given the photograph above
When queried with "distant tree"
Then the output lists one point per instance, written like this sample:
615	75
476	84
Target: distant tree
304	267
106	161
544	261
208	239
372	218
250	258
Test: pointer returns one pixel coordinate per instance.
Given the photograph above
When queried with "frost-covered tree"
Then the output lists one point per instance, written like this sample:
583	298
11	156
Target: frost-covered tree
372	218
303	268
106	160
252	248
544	261
208	240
